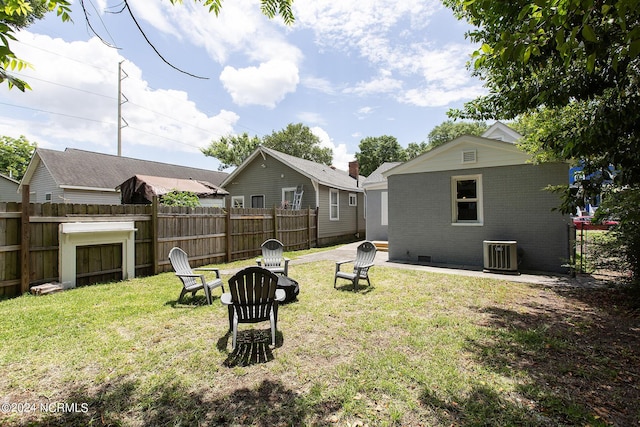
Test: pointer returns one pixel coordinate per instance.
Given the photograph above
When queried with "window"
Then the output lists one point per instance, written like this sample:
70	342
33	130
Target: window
287	197
467	199
47	197
334	205
353	199
257	201
384	208
237	201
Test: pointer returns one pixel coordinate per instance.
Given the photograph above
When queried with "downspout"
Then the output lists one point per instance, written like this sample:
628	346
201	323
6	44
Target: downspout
316	188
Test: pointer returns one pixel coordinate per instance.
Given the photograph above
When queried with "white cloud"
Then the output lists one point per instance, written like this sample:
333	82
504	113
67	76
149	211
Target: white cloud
434	96
156	14
375	86
240	29
392	37
264	85
364	112
310	117
319	84
341	157
77	101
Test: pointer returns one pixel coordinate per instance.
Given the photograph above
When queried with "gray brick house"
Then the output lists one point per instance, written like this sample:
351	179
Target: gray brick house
446	202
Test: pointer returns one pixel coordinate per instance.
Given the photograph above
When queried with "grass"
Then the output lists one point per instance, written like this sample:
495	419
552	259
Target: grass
417	348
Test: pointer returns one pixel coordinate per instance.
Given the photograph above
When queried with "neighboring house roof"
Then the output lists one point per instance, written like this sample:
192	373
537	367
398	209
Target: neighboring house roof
376	180
80	169
464	152
141	188
323	174
502	132
9	179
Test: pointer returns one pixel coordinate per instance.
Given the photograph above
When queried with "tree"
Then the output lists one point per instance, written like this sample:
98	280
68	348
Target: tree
375	151
269	8
16	14
414	149
181	198
232	150
296	140
578	58
450	130
572	69
15	155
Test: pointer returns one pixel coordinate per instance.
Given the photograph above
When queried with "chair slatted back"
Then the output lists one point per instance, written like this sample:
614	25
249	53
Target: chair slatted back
253	292
365	254
272	253
180	263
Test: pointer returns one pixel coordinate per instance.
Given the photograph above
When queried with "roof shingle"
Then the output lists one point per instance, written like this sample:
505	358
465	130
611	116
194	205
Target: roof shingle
82	168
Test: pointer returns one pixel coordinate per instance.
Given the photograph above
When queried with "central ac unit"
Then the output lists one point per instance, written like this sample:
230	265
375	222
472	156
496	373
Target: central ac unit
501	255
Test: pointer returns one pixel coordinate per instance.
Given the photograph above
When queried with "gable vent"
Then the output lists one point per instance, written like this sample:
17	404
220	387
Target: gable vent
469	156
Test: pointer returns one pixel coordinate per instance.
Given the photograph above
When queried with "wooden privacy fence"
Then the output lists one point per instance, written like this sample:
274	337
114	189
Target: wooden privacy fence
30	246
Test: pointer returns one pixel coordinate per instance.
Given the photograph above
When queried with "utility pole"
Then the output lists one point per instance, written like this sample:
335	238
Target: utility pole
120	102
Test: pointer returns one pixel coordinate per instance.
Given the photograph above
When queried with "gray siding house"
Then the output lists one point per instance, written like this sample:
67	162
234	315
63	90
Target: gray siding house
9	189
445	203
377	203
269	178
79	176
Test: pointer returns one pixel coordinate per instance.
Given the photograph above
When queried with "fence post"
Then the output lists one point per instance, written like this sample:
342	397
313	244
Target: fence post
309	228
275	222
25	241
228	229
154	235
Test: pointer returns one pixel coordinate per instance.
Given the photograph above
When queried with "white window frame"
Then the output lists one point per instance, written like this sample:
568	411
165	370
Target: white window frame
353	199
236	199
478	200
331	205
384	208
48	197
287	190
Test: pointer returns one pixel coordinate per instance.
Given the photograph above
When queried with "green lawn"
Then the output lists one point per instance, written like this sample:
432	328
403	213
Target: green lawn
416	348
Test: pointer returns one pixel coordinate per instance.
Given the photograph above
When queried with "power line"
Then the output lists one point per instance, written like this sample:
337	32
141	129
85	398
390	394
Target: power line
99	121
111	97
114	98
57	114
65	86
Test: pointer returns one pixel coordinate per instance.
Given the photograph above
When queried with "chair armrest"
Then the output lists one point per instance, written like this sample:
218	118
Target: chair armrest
201	276
195	276
216	270
280	295
226	299
365	266
344	261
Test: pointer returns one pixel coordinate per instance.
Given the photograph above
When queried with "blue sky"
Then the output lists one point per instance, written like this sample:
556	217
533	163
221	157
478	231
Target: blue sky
347	69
